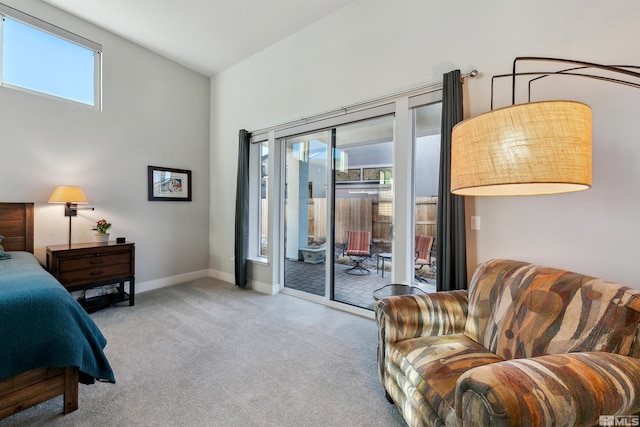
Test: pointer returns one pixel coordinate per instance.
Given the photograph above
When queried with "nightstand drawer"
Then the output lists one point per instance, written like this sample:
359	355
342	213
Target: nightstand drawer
95	274
93	261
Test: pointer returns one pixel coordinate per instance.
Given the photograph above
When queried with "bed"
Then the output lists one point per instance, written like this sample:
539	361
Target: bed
49	343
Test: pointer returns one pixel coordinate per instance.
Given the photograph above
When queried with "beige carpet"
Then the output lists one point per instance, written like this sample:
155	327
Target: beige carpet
205	353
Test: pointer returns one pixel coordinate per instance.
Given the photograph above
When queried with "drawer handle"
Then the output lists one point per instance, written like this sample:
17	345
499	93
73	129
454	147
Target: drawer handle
97	261
95	273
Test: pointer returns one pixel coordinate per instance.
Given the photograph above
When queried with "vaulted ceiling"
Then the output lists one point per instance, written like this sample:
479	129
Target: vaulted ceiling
205	35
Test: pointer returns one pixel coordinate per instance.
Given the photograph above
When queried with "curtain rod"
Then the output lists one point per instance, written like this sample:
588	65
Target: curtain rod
431	87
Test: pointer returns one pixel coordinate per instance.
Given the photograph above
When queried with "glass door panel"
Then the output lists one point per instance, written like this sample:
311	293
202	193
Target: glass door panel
363	206
305	221
427	166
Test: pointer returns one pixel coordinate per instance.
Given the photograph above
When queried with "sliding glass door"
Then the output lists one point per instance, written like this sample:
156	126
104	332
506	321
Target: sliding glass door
427	122
305	212
338	182
341	235
363	206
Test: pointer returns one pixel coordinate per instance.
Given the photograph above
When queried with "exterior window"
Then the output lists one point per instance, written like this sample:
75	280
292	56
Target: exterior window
39	57
259	198
264	198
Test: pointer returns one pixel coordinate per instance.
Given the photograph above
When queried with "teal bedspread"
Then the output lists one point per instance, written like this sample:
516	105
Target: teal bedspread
43	326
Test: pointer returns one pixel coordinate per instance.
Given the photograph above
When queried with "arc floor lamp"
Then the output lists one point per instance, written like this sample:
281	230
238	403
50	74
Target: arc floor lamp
530	148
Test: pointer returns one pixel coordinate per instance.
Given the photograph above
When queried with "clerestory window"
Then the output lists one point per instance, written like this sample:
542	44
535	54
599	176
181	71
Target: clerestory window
38	57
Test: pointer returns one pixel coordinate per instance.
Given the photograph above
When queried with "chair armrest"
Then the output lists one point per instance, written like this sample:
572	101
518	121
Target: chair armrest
416	315
412	316
428	257
557	389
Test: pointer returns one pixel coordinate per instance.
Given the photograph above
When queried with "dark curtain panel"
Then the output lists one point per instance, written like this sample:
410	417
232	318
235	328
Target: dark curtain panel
451	238
242	209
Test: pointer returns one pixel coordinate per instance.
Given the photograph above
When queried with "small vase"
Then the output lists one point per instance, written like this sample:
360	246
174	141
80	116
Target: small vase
102	237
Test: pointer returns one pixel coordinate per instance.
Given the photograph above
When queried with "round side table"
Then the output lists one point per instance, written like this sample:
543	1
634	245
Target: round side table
396	289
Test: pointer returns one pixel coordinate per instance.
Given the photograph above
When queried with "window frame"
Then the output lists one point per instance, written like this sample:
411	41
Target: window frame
415	103
60	33
256	214
403	215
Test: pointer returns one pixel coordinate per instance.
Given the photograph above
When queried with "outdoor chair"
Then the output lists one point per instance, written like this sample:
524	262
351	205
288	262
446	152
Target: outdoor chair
424	251
358	249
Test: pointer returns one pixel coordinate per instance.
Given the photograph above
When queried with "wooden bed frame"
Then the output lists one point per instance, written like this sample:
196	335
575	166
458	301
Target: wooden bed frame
29	388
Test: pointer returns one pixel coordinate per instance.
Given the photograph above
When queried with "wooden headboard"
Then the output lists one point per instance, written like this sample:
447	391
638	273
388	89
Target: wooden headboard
16	225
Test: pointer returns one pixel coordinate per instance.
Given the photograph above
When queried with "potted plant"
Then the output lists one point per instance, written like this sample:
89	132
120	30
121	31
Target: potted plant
101	227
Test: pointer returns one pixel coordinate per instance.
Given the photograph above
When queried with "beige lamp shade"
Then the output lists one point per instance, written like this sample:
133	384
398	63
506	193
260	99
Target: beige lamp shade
65	194
526	149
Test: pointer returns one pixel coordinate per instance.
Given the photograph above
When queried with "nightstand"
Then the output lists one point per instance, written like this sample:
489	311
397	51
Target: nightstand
82	266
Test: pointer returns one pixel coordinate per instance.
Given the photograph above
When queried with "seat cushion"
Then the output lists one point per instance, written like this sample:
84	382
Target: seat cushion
357	252
433	365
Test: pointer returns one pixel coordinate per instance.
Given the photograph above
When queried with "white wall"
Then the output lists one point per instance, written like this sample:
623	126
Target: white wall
368	49
156	112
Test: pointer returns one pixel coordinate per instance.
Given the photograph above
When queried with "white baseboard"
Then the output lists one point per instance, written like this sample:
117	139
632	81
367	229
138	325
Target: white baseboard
265	288
222	276
169	281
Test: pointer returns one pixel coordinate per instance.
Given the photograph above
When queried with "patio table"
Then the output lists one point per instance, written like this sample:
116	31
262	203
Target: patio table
384	256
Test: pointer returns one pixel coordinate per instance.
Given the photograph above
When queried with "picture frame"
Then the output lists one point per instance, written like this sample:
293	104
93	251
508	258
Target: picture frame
169	184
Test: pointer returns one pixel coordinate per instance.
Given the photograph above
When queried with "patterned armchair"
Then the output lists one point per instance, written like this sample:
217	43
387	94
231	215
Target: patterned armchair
526	345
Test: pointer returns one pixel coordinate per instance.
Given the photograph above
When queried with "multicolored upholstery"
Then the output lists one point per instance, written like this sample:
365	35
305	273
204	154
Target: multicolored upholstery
527	345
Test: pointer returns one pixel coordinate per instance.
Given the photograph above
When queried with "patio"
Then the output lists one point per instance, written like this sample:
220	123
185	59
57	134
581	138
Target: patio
349	289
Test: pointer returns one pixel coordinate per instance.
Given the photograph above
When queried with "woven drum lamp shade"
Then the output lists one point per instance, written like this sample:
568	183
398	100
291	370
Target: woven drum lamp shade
525	149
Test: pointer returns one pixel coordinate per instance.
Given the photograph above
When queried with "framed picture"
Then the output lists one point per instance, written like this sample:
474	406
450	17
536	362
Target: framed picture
167	184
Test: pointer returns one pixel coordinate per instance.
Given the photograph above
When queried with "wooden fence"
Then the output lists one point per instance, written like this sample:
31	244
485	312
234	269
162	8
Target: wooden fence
363	214
372	215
